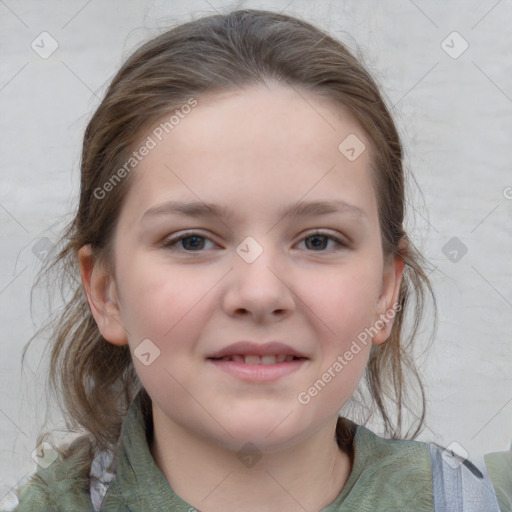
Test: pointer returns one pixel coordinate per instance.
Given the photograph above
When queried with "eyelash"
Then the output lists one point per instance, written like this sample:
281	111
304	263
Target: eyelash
170	242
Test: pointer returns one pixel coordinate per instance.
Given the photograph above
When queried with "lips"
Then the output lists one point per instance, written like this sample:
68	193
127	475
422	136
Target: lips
252	353
258	363
255	359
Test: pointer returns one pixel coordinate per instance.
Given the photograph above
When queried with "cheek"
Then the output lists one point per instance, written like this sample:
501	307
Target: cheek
153	299
344	300
165	307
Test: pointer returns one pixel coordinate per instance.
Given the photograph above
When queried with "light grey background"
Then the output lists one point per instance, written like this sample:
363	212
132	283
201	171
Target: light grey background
455	117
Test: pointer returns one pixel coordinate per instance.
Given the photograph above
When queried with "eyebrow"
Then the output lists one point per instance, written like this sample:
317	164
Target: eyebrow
300	209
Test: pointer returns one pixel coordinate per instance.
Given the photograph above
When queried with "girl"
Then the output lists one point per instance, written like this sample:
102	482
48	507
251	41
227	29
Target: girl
244	265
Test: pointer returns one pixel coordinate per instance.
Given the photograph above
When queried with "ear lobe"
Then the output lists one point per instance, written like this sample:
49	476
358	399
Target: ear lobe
101	292
387	305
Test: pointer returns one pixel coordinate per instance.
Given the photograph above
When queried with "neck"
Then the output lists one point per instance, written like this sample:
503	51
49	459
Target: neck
306	476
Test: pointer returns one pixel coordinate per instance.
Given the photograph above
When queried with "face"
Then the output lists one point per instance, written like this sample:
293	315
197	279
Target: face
303	285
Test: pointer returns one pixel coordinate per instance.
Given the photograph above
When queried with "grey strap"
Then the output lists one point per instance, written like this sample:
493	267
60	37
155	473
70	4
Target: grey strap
459	485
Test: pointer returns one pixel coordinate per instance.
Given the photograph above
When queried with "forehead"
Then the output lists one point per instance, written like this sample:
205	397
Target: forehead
275	143
273	117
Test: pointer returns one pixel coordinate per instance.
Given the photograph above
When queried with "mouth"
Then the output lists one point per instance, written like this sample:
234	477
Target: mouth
254	359
258	362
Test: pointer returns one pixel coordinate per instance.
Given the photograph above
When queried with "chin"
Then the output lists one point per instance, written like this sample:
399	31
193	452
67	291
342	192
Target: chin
264	433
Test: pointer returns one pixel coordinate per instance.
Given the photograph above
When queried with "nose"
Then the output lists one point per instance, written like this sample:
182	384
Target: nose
259	288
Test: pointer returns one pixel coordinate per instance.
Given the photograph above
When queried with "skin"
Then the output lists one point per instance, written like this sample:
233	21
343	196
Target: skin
255	150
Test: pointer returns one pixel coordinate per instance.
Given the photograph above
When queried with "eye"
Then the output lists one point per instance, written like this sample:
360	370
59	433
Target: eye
191	242
320	239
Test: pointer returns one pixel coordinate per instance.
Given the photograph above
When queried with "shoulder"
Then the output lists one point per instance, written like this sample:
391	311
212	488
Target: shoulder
390	474
35	495
61	484
499	466
377	453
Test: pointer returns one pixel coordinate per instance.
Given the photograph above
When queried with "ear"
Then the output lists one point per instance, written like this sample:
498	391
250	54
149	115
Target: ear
101	291
388	300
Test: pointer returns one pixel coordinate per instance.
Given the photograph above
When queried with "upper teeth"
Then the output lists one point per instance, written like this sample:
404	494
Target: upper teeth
254	359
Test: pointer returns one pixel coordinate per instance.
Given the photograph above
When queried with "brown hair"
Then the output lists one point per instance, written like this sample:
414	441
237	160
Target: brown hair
94	380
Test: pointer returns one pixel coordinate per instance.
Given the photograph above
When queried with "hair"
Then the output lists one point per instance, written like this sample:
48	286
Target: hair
94	380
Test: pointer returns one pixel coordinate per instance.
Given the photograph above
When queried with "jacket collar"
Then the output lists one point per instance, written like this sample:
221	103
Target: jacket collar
140	485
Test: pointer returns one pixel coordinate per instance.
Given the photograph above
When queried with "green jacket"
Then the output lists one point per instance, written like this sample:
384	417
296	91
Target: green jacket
387	475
